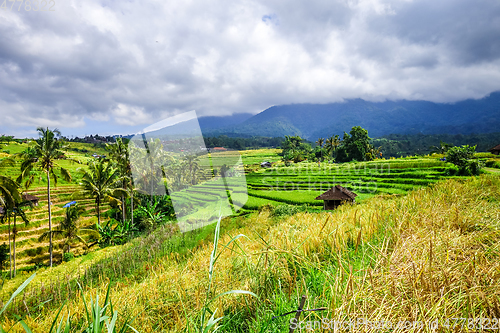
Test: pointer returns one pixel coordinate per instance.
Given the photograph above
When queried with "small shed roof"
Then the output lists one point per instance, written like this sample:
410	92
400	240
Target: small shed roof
497	147
29	197
337	193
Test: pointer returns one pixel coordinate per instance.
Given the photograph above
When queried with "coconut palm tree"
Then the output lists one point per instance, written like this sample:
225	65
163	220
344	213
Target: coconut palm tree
192	167
119	155
45	151
320	144
68	228
441	149
9	195
151	166
101	181
332	144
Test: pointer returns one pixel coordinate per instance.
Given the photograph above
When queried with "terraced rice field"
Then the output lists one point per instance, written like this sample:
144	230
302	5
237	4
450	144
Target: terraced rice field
29	250
301	183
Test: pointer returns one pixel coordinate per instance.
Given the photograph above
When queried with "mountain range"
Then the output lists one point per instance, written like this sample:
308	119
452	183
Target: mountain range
312	121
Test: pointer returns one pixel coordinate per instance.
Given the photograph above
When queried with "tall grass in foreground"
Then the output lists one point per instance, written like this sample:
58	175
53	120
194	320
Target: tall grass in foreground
97	319
432	254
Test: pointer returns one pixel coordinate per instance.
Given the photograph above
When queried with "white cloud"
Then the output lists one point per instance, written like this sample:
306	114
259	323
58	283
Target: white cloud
129	115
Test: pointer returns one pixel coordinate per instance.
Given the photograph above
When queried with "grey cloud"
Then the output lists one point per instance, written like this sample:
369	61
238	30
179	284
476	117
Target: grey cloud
88	58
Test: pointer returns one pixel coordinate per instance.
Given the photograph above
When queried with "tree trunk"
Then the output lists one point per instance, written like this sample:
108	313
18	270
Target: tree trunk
14	232
50	216
132	206
10	249
123	208
98	211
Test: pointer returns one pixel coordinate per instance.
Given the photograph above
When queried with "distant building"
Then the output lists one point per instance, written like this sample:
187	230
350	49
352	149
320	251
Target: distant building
219	149
266	164
336	196
495	150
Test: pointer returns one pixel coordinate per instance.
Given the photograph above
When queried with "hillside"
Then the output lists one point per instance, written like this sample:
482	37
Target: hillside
387	257
379	118
293	247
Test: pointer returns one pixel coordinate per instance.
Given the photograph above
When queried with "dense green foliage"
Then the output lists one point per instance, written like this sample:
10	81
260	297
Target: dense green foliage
4	255
295	149
463	159
355	146
241	143
421	144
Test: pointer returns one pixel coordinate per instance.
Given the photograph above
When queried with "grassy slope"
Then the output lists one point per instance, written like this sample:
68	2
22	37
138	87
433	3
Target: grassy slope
402	170
429	255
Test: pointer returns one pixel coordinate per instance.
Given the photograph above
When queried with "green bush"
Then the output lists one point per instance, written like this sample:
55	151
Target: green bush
492	164
4	254
462	157
286	210
68	256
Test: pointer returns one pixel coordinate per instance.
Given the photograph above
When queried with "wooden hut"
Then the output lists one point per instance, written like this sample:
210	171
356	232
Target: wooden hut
34	200
495	150
336	196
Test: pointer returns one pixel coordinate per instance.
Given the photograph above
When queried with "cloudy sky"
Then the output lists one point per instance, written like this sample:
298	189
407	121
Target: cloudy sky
114	67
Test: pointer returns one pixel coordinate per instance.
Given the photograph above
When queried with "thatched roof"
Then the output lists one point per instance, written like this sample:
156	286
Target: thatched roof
29	197
337	193
497	147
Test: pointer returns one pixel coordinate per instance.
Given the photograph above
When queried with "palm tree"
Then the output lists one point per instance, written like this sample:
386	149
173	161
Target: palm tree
332	144
101	182
151	165
68	228
193	167
120	156
320	143
9	195
46	150
441	149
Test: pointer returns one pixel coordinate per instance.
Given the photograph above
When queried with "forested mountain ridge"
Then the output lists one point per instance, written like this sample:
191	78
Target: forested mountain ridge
379	118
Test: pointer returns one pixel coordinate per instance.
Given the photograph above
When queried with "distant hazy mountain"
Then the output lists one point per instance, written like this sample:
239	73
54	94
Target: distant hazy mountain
405	117
213	122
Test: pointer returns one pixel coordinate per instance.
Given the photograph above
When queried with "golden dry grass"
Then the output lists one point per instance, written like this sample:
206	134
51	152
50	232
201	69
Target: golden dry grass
439	259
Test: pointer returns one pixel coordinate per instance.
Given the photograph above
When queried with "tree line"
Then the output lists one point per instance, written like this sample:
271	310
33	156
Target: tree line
355	145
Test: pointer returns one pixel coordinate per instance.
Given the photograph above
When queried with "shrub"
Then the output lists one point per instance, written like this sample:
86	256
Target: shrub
286	210
4	254
492	164
460	155
462	158
68	256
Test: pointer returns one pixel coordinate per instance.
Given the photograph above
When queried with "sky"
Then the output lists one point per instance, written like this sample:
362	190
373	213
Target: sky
115	67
